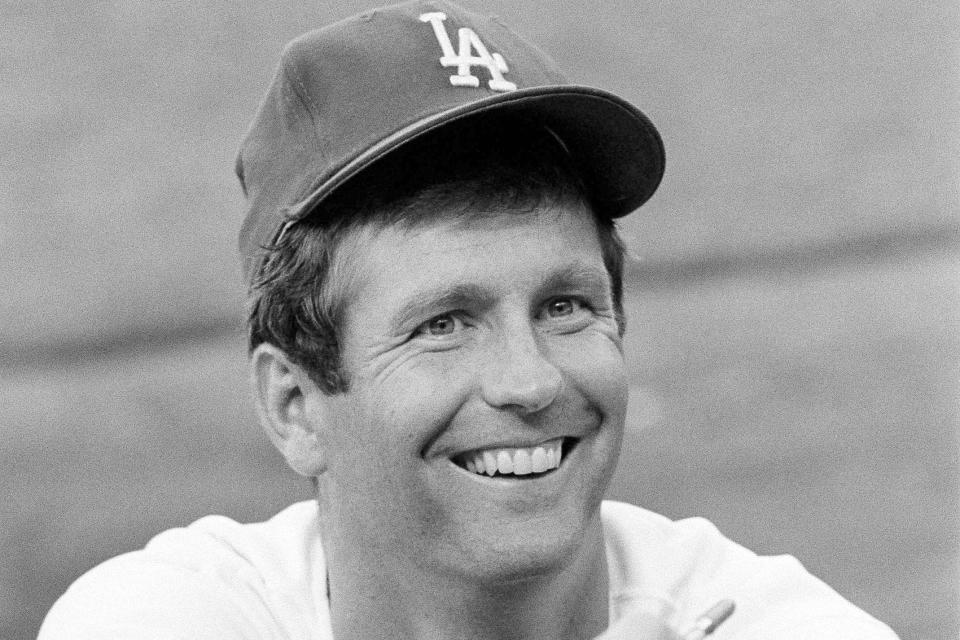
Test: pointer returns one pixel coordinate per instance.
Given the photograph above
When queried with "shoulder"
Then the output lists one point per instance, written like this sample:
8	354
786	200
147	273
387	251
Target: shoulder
215	578
688	565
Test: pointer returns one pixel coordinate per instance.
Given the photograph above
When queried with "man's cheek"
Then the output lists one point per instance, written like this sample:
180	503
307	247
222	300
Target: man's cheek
433	382
598	370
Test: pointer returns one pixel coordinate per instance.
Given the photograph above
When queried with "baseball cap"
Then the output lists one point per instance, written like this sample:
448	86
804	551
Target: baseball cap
350	93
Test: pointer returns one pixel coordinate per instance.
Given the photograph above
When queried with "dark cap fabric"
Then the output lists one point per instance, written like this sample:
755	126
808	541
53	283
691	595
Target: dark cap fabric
349	93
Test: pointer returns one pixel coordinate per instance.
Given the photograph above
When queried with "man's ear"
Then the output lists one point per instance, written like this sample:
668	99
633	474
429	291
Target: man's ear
280	392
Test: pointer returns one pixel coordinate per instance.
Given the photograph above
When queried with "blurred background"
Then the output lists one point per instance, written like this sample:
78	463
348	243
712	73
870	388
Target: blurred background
794	305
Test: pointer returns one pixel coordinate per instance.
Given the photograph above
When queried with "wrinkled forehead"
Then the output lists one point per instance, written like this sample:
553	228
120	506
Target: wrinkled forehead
490	212
372	249
448	221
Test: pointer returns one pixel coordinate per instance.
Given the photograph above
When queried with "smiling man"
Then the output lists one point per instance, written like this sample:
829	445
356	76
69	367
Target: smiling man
466	424
436	318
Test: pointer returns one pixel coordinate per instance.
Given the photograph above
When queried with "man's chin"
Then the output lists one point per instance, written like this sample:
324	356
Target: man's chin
521	554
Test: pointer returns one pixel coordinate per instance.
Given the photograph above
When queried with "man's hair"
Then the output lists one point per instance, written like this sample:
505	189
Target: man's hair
484	166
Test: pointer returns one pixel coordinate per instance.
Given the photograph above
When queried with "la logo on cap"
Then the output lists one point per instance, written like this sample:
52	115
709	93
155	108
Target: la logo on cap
464	60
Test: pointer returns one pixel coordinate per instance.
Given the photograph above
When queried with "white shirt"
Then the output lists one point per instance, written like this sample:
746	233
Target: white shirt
220	580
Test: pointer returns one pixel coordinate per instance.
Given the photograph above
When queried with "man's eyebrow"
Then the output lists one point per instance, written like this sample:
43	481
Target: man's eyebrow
579	276
434	301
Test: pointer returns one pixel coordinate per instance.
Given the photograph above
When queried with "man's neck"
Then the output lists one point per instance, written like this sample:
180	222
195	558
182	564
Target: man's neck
381	601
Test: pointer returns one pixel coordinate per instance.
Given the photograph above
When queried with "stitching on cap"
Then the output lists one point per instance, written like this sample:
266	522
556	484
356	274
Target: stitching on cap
301	92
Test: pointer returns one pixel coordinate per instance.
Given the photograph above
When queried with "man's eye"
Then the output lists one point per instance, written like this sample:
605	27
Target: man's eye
561	307
442	325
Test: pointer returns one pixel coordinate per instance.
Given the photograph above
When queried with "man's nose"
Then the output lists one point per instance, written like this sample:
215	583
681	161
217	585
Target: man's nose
519	374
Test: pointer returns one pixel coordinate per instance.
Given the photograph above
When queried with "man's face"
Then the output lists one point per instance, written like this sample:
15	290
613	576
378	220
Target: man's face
473	347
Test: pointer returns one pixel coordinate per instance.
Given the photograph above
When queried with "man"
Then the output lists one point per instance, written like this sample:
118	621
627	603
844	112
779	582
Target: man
436	322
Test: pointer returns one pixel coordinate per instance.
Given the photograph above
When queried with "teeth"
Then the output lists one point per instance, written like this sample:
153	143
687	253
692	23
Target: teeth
504	461
489	462
539	460
521	462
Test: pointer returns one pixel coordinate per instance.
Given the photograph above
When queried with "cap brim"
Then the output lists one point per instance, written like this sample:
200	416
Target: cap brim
616	148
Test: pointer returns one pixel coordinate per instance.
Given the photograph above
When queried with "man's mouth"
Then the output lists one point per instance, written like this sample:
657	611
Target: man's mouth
508	461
